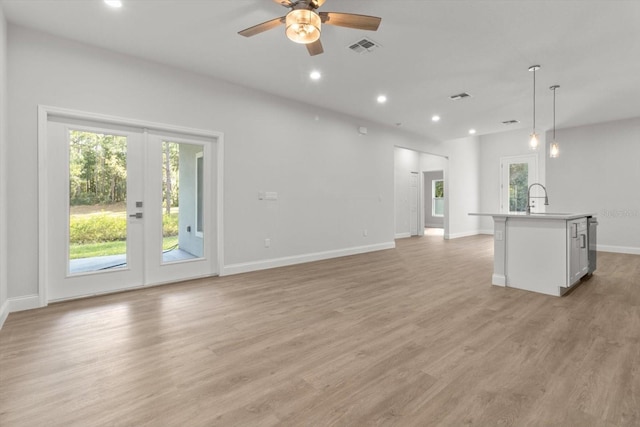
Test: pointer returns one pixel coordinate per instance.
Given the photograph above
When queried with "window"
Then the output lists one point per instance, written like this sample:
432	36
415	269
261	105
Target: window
437	201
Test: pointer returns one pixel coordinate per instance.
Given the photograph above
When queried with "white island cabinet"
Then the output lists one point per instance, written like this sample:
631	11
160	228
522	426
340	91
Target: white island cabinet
546	253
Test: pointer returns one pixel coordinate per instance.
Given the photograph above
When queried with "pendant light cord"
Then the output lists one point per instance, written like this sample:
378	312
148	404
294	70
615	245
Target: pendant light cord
554	114
534	101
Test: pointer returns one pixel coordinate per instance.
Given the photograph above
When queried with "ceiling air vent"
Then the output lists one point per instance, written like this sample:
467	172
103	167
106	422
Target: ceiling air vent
510	122
459	96
364	45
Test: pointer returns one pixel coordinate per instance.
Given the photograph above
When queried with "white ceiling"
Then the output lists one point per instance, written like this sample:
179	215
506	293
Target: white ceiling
430	50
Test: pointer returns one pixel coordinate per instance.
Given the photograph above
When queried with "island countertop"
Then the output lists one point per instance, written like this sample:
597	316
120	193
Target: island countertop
540	215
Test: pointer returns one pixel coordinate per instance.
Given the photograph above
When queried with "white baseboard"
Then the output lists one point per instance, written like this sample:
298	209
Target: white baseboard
4	312
12	305
490	231
434	226
619	249
301	259
499	280
27	302
463	234
402	235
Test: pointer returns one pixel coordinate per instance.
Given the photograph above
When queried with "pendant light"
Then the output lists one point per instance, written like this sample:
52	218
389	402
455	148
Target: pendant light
533	142
554	148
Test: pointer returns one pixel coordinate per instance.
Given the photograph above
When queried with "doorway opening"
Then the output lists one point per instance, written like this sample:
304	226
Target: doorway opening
421	194
433	197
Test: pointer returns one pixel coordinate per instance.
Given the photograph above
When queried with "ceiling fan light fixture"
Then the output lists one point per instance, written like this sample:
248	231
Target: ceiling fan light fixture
303	26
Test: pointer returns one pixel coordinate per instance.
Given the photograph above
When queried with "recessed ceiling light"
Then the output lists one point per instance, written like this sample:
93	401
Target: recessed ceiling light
315	75
113	3
435	118
382	99
472	131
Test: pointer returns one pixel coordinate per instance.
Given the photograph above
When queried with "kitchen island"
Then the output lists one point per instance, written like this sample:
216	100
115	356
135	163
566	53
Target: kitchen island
542	252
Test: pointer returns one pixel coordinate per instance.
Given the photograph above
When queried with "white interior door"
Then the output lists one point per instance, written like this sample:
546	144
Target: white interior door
108	224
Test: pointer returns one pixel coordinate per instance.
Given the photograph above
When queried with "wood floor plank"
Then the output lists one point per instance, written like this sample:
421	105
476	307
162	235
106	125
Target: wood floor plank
411	336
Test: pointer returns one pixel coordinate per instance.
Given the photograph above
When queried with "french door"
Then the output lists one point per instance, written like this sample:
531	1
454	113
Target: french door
125	207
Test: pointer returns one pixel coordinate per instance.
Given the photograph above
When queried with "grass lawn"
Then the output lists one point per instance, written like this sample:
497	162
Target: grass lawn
90	250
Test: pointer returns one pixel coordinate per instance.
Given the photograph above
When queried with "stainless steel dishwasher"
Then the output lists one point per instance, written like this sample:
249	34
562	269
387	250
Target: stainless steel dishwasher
592	231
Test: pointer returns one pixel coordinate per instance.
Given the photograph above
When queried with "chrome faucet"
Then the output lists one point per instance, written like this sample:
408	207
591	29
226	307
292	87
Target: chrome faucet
546	199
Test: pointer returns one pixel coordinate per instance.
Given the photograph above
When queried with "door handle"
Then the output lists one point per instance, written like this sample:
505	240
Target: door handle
583	240
136	215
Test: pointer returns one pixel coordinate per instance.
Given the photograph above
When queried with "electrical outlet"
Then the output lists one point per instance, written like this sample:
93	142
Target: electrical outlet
267	243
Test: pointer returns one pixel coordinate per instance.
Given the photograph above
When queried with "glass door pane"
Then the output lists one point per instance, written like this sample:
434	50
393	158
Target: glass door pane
97	202
182	207
518	184
518	172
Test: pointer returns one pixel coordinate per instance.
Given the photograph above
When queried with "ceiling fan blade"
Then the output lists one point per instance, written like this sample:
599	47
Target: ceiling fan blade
260	28
350	20
317	3
285	3
315	48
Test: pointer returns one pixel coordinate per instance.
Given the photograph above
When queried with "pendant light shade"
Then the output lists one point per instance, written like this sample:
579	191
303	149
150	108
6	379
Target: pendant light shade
533	141
554	148
303	26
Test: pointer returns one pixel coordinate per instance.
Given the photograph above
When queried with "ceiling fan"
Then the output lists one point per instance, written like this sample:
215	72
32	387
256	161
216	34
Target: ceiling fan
303	23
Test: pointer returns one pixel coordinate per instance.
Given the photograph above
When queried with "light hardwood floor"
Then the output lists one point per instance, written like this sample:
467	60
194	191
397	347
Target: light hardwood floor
415	336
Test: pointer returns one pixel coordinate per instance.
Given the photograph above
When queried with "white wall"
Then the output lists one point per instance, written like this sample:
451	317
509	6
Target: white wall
599	171
332	183
430	162
3	168
405	162
462	187
492	148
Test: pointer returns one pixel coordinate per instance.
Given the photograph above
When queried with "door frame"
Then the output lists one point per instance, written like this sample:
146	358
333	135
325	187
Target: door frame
45	111
414	193
531	159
